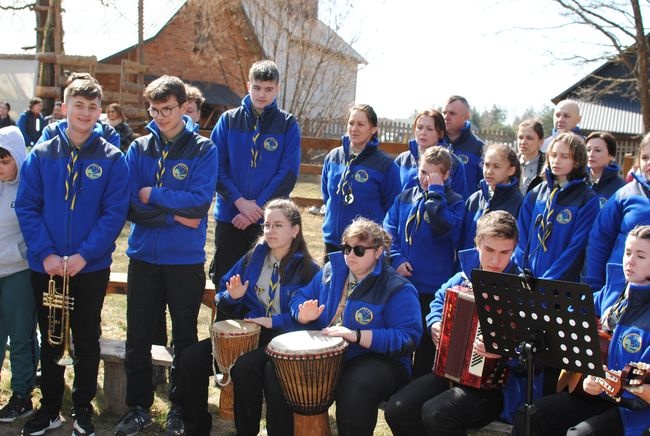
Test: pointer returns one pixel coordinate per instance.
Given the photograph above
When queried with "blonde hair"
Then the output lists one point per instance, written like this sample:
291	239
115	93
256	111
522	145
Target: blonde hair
368	231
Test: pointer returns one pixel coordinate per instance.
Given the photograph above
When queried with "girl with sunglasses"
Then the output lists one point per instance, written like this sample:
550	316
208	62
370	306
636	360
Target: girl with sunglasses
359	297
425	223
280	260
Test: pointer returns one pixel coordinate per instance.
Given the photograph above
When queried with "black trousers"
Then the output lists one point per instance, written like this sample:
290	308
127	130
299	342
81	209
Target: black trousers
426	351
428	405
150	287
250	383
88	291
230	245
573	415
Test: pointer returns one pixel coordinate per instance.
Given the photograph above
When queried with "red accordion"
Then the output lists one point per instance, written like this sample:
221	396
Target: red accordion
455	358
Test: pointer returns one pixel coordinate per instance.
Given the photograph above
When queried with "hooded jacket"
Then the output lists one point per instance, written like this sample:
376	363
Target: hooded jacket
373	180
425	230
408	169
31	126
506	197
627	208
630	341
609	183
469	149
249	306
261	169
187	189
552	239
104	129
89	220
383	302
13	251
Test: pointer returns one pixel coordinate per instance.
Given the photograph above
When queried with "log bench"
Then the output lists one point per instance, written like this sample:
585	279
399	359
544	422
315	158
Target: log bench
113	352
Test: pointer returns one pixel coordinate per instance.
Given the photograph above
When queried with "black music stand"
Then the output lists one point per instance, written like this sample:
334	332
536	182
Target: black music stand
538	321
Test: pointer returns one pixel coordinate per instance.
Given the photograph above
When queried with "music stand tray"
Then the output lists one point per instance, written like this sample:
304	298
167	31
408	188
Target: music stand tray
539	321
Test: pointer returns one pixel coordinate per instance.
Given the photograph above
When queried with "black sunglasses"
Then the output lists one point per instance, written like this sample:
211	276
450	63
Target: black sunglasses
359	250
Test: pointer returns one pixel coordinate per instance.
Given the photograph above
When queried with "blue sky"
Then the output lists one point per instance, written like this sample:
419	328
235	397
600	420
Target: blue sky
503	52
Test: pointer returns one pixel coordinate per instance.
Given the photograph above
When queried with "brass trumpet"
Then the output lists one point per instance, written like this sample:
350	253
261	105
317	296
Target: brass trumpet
60	304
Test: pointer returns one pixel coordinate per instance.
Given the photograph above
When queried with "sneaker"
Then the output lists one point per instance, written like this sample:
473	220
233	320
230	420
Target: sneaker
83	426
137	419
174	425
41	422
17	407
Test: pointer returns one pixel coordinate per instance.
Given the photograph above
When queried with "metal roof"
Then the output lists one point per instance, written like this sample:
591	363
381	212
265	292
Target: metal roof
615	118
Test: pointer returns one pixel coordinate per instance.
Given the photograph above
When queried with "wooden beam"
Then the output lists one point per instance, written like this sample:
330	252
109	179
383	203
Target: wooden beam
311	169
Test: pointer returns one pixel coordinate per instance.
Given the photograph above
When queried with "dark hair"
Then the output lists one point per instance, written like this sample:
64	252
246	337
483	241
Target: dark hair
497	224
641	232
609	139
86	88
578	153
437	155
264	71
165	87
194	94
367	230
537	127
6	103
79	76
508	153
298	245
58	103
438	121
34	101
371	115
463	100
4	152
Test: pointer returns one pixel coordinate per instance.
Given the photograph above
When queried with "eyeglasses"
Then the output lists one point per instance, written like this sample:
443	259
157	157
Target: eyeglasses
275	226
359	250
165	111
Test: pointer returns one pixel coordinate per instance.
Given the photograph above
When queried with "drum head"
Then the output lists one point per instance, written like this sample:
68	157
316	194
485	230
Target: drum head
305	342
234	327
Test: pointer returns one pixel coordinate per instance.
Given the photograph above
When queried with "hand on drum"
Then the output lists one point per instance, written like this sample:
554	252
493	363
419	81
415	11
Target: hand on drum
309	311
264	321
341	332
235	287
479	348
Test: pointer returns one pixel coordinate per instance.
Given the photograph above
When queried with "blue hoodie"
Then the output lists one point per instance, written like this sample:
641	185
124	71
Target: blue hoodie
626	209
103	128
628	342
408	169
383	302
469	149
425	230
274	170
101	201
249	268
373	178
506	197
572	212
187	190
609	183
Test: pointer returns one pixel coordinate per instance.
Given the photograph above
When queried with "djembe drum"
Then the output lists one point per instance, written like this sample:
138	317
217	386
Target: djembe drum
231	339
308	366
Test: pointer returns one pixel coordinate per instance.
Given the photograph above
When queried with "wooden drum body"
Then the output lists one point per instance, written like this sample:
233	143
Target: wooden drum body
231	339
308	366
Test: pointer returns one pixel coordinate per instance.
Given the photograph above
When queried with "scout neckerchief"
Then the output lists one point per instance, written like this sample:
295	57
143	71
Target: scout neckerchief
73	175
545	225
255	151
345	185
273	287
348	289
414	219
160	172
614	313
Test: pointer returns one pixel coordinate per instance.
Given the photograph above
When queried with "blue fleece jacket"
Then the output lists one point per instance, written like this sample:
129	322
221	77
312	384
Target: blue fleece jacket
628	342
104	129
383	302
627	208
249	268
408	169
564	227
609	183
255	170
101	201
469	149
373	178
506	197
187	189
425	229
27	123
